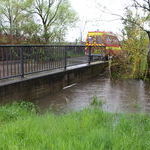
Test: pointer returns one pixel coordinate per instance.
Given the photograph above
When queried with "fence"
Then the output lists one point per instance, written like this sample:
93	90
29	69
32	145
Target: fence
22	60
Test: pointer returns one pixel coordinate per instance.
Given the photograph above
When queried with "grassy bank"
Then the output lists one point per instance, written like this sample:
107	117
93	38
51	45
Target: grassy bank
21	128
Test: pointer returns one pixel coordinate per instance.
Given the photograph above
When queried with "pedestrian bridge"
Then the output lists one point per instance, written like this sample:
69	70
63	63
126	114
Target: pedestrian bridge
30	72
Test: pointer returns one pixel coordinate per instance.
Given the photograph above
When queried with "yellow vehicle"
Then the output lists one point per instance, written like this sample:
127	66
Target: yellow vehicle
102	44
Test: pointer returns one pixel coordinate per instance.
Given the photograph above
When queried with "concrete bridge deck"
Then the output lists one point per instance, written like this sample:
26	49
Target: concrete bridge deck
8	81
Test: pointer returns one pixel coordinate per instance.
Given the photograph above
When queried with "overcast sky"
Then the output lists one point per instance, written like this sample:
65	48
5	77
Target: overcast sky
92	18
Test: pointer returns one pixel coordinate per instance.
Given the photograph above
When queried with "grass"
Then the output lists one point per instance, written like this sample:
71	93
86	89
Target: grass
21	128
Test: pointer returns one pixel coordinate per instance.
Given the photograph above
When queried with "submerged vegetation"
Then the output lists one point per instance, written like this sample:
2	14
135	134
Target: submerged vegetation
96	102
22	128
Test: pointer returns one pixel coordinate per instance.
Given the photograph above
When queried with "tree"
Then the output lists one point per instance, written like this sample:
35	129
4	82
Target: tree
35	20
142	8
65	18
135	44
13	16
55	17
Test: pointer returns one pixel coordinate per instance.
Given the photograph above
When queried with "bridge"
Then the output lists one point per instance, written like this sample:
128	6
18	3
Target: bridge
30	71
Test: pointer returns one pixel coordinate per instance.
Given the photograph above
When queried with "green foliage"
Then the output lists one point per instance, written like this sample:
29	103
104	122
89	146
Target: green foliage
35	21
66	18
12	112
96	102
90	129
133	63
138	18
136	54
56	17
71	53
15	13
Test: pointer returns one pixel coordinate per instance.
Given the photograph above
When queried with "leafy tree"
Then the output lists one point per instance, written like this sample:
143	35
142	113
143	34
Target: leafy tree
35	21
135	44
14	16
142	8
55	17
65	18
31	31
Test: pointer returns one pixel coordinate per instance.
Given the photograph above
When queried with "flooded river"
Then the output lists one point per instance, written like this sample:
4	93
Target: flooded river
117	95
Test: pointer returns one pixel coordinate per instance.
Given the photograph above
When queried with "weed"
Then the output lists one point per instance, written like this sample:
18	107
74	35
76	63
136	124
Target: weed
96	102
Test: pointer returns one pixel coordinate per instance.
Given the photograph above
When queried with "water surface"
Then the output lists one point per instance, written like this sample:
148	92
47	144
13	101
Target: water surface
118	96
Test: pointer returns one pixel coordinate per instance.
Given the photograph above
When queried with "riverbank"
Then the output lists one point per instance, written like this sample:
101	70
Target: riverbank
22	128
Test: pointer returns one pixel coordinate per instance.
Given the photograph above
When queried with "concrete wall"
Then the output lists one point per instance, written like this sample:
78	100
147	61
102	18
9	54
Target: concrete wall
33	88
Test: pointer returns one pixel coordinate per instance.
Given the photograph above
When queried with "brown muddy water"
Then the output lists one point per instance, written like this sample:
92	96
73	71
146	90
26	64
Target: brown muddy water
117	95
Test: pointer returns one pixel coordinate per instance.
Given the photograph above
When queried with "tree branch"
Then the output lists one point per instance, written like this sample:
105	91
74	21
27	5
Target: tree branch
138	5
55	12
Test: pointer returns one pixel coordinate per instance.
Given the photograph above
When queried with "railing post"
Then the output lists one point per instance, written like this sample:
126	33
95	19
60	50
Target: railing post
89	55
65	59
22	62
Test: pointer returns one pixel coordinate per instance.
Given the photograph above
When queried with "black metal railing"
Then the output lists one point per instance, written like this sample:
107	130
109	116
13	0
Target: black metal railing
22	60
18	60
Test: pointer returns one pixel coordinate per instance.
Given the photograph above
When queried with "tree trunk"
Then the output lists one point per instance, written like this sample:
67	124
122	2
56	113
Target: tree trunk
148	55
46	35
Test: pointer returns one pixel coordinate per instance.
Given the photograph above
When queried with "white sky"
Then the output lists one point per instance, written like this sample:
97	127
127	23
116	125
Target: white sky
92	18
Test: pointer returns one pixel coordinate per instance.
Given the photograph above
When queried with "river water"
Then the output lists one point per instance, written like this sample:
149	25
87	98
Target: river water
117	95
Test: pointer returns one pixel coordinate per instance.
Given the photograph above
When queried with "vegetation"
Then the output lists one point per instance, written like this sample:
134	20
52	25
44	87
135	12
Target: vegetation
96	102
136	40
133	63
143	10
35	21
135	59
137	25
22	128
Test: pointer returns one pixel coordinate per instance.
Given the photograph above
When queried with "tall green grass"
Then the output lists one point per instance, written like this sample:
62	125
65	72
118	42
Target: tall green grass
21	128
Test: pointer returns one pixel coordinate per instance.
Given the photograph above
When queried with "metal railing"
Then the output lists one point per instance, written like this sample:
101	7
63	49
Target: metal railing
22	60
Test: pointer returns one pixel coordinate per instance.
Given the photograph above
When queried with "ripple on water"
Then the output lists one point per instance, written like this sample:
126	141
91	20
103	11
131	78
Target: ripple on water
119	96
